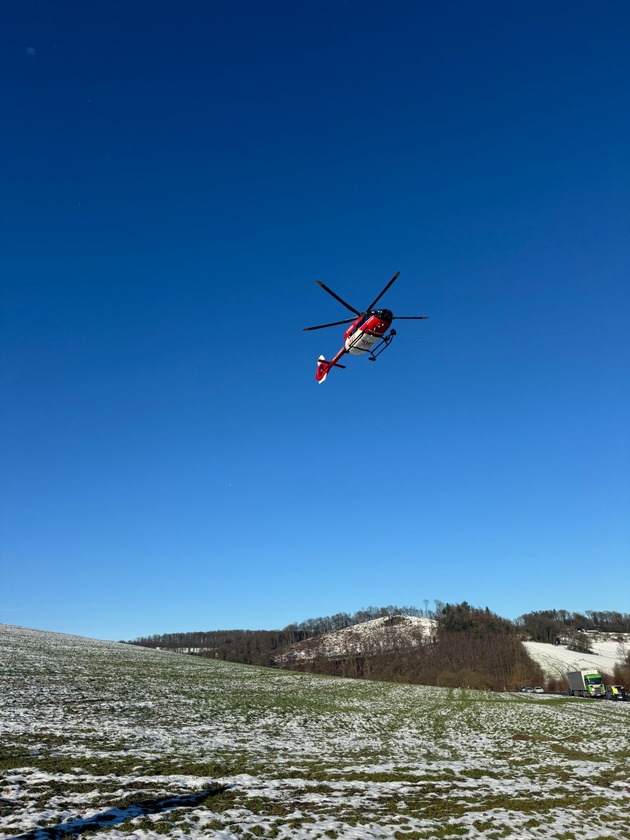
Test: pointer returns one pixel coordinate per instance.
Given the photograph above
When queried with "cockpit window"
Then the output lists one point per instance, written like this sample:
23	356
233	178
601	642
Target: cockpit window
383	314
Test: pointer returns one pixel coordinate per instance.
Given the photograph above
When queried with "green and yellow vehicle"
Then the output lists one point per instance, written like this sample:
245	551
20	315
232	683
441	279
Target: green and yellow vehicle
586	684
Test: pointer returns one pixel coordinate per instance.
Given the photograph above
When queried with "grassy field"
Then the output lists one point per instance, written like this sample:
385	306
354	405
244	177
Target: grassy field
116	741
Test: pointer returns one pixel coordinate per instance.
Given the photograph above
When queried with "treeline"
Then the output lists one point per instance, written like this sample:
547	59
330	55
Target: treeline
472	648
621	672
256	647
314	627
550	625
250	647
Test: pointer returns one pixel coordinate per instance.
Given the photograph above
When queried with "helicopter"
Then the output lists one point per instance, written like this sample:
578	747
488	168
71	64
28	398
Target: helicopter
367	332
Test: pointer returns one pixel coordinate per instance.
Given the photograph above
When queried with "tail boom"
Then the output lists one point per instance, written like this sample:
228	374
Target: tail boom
324	367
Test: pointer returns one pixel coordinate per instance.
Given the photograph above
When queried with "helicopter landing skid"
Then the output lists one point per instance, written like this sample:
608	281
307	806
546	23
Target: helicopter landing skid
382	345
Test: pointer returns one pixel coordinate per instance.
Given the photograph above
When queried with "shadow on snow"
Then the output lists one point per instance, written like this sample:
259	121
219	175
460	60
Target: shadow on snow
115	816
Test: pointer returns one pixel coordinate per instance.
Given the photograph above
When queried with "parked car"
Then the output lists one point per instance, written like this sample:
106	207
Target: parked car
616	692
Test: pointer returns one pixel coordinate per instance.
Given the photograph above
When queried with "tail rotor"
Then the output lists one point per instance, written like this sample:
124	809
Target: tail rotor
323	368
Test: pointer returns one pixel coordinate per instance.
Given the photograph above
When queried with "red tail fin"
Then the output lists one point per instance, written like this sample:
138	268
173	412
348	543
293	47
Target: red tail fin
322	369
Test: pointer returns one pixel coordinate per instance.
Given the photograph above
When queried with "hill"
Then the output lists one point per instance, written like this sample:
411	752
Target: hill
380	635
391	633
120	741
608	651
400	636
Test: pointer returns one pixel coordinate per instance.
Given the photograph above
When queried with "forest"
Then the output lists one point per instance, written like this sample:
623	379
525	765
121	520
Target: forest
547	625
471	646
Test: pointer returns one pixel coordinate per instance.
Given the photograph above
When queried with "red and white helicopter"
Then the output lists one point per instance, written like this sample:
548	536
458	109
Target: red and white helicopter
366	333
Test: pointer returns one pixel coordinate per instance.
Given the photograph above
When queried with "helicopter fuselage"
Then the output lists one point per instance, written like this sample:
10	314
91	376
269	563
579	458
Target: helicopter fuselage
360	337
366	331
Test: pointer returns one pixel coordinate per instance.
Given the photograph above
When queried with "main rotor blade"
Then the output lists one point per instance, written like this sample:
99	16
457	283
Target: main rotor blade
410	317
375	301
334	324
341	300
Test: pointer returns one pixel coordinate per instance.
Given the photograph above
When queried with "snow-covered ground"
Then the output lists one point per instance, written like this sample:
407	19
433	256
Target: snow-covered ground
556	660
125	742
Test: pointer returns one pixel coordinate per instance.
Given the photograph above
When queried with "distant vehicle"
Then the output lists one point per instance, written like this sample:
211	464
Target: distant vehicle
586	684
616	692
538	690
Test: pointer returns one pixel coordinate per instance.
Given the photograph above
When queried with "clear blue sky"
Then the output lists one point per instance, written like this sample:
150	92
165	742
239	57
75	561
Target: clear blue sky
176	177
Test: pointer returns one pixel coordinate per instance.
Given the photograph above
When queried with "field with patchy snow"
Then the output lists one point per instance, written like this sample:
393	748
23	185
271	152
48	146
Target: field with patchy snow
124	742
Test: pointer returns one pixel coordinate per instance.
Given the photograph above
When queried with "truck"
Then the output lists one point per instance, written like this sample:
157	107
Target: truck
585	684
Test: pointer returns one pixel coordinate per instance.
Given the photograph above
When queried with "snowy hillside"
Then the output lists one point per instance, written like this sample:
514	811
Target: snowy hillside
555	660
376	636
